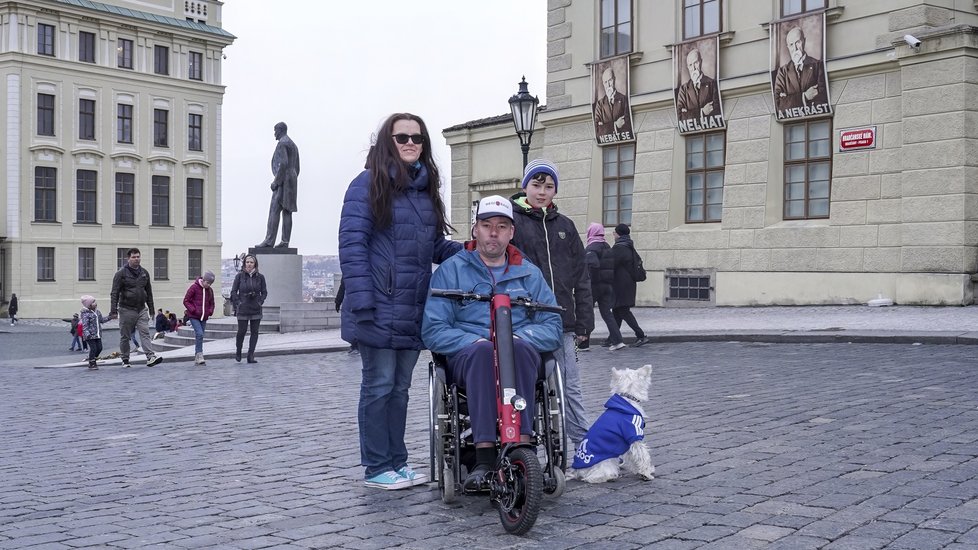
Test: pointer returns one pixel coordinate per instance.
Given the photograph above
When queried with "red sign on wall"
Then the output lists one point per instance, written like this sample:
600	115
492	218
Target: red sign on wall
857	138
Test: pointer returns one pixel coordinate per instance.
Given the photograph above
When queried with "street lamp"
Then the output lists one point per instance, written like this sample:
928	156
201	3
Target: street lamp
524	107
239	262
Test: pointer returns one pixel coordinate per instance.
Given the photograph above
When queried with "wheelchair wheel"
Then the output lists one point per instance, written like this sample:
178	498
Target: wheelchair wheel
518	490
559	483
440	435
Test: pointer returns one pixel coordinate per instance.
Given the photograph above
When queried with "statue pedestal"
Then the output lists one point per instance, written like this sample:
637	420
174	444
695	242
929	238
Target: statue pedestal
282	268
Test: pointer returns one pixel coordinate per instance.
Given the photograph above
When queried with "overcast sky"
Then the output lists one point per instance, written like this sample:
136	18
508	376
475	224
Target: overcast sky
333	71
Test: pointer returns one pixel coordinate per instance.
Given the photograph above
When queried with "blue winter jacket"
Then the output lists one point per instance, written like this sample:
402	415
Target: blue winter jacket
386	271
449	326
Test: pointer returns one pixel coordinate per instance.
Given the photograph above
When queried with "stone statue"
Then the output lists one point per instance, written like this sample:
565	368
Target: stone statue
285	168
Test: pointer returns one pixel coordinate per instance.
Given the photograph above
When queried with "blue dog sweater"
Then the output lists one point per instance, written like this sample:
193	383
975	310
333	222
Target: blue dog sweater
616	429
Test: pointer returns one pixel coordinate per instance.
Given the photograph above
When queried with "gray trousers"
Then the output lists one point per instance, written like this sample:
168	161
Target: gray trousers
128	320
576	421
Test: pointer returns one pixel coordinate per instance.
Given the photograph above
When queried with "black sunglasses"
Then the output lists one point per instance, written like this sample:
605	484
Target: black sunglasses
416	139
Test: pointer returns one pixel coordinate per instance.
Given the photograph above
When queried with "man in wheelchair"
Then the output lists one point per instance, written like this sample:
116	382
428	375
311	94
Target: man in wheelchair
460	331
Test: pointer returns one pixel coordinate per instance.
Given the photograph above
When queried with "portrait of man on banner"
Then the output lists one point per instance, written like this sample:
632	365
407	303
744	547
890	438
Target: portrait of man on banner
798	78
696	87
611	110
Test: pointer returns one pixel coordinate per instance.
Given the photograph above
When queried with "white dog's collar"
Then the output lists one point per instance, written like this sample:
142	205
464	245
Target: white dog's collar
631	397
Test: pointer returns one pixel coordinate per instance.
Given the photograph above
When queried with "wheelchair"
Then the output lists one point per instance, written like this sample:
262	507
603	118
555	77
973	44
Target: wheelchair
451	438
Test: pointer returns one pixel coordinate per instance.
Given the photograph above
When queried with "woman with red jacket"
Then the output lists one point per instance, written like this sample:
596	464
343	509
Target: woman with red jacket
199	302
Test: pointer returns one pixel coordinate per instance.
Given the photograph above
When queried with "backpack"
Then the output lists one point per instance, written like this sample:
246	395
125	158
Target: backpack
638	270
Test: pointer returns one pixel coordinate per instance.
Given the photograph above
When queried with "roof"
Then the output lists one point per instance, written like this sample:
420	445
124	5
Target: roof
491	121
152	17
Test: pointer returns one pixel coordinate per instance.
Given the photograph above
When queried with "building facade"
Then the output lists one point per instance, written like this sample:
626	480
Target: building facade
112	120
763	152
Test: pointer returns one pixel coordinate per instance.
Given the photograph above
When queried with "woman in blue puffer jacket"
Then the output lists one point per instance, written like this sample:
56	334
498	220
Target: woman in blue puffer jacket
392	229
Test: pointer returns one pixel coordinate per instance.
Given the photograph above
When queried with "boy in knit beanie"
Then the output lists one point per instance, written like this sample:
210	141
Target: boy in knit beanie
91	322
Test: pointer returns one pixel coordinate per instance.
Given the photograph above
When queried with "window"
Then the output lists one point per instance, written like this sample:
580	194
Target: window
120	258
86	181
195	202
194	130
86	46
704	177
125	199
161	60
161	200
86	119
86	264
124	123
45	115
196	66
807	169
700	17
616	27
617	179
45	39
125	53
45	194
195	263
161	263
791	7
45	263
160	127
690	286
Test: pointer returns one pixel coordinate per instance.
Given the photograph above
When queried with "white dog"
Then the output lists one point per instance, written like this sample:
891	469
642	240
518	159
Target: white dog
618	434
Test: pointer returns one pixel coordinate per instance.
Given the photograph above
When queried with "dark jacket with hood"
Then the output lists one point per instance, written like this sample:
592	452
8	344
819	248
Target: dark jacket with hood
386	271
131	289
624	284
601	266
551	241
248	293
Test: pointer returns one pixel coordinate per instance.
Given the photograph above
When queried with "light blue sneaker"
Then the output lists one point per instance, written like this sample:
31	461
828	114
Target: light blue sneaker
389	480
414	477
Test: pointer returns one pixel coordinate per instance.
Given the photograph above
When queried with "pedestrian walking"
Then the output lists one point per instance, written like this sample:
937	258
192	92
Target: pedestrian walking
601	265
199	301
12	309
91	322
392	228
550	240
248	293
628	271
131	302
76	337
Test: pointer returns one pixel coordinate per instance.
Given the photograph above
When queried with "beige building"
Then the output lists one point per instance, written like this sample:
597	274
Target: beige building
875	193
112	120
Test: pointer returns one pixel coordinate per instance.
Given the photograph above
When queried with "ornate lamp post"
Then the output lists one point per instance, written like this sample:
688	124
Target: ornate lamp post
524	107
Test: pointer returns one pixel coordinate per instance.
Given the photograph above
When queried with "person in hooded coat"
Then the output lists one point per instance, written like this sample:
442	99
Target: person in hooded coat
601	265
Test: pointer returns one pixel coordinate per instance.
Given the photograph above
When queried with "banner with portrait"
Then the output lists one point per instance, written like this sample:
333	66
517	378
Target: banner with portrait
799	81
610	107
696	85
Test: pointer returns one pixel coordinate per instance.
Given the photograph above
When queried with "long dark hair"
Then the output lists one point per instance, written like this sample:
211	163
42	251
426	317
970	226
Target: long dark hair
384	160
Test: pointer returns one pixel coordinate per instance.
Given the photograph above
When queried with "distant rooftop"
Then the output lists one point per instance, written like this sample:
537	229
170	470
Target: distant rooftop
171	21
491	121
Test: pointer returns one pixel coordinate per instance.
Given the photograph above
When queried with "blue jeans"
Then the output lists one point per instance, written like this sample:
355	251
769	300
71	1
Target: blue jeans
382	412
576	421
199	328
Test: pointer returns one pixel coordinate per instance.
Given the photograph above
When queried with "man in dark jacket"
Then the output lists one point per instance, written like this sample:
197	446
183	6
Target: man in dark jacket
132	300
624	254
550	240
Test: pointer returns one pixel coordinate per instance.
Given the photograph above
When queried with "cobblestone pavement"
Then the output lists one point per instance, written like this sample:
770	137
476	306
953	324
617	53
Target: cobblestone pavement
837	446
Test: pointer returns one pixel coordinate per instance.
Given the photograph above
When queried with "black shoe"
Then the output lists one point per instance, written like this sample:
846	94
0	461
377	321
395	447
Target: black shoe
126	364
641	342
476	480
237	355
92	365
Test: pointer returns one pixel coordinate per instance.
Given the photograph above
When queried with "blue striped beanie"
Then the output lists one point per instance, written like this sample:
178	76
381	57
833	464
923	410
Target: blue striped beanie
537	166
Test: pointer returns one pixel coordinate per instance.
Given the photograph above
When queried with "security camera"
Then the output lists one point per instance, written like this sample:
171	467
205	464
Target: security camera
912	41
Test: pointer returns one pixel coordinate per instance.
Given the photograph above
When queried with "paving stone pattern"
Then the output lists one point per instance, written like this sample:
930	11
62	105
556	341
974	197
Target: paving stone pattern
793	446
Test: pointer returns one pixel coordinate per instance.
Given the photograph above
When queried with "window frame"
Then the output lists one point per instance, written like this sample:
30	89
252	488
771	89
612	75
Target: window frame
807	162
195	65
86	263
123	133
46	39
125	188
86	119
195	202
46	195
161	60
161	264
705	172
86	196
160	201
120	257
195	132
617	27
701	4
804	7
45	264
87	47
195	263
613	217
45	114
125	53
161	128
